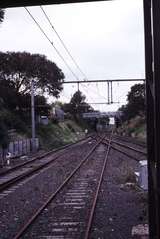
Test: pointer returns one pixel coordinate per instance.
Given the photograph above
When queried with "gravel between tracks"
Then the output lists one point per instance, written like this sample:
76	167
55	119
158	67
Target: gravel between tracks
65	217
130	142
138	156
19	203
119	207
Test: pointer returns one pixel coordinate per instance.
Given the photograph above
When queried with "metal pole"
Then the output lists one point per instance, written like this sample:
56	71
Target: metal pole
111	94
156	90
33	116
153	112
101	81
108	93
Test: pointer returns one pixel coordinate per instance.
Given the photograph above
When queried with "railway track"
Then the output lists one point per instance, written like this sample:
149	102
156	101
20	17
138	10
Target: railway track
129	151
18	173
130	141
69	211
43	155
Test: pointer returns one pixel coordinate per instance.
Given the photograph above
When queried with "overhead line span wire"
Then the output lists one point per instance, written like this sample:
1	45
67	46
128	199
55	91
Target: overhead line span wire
43	32
62	42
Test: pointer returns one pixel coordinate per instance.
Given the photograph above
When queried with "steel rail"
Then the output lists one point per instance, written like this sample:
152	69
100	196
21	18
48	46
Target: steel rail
97	191
121	151
53	195
128	147
29	173
42	156
125	146
132	140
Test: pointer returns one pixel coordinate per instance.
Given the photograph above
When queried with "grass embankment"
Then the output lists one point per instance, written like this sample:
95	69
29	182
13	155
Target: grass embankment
56	135
135	128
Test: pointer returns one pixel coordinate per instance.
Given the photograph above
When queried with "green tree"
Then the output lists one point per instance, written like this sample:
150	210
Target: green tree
15	108
4	139
21	67
8	95
1	15
136	102
77	105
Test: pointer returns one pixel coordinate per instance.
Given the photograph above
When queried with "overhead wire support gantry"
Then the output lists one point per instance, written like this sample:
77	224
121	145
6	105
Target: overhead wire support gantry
77	81
105	80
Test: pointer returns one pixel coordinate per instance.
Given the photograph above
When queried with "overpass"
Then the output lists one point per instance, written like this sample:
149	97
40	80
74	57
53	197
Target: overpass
98	115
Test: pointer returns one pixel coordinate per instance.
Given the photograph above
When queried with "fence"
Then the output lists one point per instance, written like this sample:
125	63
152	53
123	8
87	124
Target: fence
19	147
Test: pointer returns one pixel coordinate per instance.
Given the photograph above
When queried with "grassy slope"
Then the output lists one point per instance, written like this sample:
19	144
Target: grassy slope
56	135
136	128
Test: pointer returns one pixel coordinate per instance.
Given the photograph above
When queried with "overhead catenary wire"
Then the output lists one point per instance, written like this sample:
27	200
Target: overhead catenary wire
87	92
43	32
96	92
62	42
59	54
65	96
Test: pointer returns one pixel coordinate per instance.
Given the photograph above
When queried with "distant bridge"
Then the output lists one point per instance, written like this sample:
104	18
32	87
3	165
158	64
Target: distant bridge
98	115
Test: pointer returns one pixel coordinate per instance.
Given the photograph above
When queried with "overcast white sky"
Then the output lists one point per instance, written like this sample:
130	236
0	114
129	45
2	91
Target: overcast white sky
105	38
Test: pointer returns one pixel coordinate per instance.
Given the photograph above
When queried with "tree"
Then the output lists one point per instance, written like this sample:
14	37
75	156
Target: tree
136	102
22	67
77	105
8	95
4	139
18	106
78	98
1	15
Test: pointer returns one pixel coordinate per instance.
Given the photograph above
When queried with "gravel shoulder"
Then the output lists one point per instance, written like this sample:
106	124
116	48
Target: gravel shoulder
121	204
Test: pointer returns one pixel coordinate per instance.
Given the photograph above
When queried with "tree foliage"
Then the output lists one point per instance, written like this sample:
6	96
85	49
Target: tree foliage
16	72
1	15
21	104
77	105
8	95
4	138
20	68
136	102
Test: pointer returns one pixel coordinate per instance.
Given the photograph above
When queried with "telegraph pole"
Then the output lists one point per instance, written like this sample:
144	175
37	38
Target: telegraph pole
33	116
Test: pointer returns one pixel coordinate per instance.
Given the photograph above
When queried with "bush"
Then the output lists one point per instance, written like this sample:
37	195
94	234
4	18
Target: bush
54	121
13	121
70	127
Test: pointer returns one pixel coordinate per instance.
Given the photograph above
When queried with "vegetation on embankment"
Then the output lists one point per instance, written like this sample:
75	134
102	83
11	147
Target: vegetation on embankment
133	118
56	135
135	127
22	75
